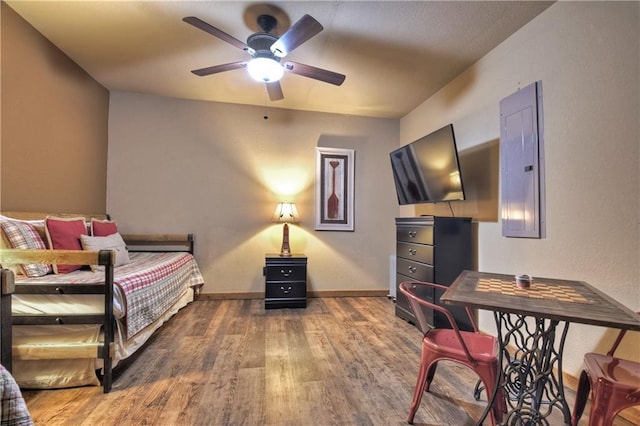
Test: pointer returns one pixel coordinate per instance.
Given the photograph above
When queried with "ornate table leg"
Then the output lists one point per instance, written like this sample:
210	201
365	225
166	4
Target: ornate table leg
531	386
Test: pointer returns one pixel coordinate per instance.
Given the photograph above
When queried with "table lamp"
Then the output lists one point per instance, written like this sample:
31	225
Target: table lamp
287	213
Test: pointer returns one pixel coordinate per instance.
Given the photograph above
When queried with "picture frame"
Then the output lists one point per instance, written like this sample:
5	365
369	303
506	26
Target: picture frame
334	195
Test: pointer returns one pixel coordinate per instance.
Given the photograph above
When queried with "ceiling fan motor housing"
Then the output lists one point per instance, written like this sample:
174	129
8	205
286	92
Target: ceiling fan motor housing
261	43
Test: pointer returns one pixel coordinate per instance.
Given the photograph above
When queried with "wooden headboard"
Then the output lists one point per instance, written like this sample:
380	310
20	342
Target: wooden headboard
43	215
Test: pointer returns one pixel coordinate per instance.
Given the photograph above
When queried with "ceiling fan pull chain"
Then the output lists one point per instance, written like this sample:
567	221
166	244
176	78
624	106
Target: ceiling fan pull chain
265	116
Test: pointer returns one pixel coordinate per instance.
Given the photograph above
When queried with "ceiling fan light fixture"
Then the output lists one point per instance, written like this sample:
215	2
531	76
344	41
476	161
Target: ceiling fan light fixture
265	70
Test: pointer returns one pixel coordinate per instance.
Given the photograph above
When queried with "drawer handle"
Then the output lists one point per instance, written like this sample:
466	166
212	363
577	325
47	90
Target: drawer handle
286	273
412	269
286	291
412	252
413	234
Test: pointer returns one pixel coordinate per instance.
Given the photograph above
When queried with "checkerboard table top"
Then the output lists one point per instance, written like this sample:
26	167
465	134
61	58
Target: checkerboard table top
538	290
550	298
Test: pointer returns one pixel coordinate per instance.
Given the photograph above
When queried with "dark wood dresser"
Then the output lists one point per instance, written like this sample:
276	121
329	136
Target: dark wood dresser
434	249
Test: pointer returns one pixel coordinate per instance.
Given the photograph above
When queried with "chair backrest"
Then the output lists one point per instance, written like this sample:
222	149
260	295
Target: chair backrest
408	288
415	303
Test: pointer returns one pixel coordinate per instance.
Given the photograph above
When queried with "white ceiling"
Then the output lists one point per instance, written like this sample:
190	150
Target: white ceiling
395	54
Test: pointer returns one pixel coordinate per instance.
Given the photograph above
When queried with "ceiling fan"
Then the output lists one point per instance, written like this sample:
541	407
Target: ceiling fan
267	51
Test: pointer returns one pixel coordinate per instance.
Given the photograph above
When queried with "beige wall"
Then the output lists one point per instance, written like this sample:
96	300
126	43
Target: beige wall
587	57
218	170
53	153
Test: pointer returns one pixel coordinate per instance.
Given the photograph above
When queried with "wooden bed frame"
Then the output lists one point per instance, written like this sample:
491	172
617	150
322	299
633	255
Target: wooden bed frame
7	288
103	349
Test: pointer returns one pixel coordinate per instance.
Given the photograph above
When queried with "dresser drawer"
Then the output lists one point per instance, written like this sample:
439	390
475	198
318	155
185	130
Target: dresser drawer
414	270
290	290
419	252
286	273
415	234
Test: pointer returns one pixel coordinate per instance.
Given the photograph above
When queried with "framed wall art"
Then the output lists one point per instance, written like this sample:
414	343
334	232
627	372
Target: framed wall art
334	189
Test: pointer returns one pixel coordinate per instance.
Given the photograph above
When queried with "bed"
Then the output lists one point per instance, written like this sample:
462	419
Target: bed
68	326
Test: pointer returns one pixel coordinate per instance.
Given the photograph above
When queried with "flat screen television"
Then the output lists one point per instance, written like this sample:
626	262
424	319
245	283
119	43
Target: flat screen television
427	170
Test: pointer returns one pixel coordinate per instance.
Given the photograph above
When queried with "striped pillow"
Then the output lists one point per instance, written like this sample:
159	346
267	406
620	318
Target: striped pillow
23	235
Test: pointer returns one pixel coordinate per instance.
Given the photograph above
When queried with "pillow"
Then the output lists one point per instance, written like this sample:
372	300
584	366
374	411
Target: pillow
23	235
64	234
111	242
103	228
4	244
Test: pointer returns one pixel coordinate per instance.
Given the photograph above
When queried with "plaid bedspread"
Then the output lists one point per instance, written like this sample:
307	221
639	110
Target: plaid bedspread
149	284
13	410
152	283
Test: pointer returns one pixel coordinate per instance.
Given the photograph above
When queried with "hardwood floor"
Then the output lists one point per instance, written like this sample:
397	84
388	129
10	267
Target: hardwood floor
340	361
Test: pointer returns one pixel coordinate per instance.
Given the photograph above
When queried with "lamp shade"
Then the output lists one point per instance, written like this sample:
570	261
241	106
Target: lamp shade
286	213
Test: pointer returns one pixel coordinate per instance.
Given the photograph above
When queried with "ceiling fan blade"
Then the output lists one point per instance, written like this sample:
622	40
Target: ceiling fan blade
219	68
315	73
199	23
275	91
298	33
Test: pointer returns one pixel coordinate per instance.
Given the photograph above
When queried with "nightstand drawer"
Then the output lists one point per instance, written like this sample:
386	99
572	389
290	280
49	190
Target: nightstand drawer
291	290
286	273
415	270
419	252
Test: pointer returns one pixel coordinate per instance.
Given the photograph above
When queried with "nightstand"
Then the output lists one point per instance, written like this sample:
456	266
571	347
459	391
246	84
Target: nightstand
285	281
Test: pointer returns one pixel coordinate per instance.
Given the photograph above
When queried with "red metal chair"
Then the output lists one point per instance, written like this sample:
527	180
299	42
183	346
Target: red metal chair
476	350
614	382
